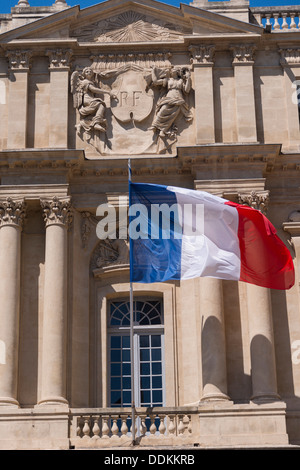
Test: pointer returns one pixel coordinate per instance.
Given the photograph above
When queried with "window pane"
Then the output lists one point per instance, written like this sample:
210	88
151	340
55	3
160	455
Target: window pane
126	398
115	383
145	368
115	355
156	354
157	396
115	369
144	355
155	341
115	341
145	382
145	396
126	355
126	383
126	341
156	368
157	382
144	341
126	369
115	398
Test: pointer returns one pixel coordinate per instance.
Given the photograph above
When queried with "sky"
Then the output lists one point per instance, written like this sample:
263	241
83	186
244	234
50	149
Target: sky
6	5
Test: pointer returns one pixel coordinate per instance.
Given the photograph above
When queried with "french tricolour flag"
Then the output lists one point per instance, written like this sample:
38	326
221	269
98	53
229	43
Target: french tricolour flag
178	233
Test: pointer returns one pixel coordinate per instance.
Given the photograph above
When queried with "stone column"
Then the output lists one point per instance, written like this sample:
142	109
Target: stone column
214	372
12	213
244	89
213	345
57	215
203	61
59	93
262	350
19	66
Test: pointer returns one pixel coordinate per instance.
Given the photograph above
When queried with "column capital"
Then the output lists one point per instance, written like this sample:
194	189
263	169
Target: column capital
289	56
202	55
57	211
243	54
258	200
293	224
60	59
19	60
12	212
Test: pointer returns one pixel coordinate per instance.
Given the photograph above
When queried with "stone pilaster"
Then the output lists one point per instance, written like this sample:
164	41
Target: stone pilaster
290	62
203	62
243	61
59	67
19	66
12	213
57	216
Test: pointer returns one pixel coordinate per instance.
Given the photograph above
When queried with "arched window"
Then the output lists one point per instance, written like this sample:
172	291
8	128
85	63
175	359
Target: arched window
148	342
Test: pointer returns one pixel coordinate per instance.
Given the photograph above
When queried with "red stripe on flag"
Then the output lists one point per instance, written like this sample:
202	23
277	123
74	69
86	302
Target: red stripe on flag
265	260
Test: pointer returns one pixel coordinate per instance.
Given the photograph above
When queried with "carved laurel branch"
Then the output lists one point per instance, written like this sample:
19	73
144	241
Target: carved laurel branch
12	212
57	211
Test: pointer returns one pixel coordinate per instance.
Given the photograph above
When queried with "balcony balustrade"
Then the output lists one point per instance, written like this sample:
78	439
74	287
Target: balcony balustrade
278	19
112	427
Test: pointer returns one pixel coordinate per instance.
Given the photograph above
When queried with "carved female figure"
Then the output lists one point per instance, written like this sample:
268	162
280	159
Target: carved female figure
178	83
88	99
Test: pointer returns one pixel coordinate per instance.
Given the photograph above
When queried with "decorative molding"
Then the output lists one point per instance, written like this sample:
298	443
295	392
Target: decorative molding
19	60
57	211
257	200
202	55
130	26
243	54
60	59
290	57
103	62
12	212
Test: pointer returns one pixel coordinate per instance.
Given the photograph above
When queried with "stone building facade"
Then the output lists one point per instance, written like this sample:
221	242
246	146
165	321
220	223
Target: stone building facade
202	96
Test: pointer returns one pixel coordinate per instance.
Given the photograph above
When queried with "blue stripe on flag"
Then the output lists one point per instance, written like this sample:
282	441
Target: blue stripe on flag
152	259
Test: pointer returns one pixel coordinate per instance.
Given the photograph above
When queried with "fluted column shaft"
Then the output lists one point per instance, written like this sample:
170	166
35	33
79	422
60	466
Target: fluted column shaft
57	216
11	217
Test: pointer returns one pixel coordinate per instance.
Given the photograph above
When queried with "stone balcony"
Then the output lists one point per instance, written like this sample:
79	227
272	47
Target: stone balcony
277	19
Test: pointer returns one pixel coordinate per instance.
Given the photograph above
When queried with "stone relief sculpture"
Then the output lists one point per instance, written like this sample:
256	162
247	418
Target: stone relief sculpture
143	106
88	100
176	83
110	253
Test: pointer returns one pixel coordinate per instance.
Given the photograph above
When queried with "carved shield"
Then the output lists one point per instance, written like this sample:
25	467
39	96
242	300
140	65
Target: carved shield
134	101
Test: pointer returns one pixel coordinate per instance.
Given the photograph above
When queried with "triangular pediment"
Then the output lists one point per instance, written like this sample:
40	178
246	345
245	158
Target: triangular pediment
131	21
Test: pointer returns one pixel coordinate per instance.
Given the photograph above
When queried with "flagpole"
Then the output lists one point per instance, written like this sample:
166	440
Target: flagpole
131	330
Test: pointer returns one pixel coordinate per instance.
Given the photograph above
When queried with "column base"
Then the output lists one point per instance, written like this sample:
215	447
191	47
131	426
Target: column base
9	402
217	396
265	398
53	401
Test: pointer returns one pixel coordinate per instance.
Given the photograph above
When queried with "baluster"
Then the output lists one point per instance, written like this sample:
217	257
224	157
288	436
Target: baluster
268	17
181	426
96	429
171	427
153	426
276	25
86	429
105	427
293	23
124	427
115	428
284	22
162	427
143	427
